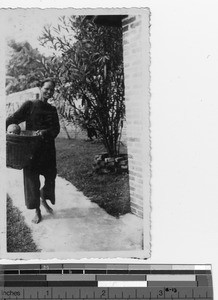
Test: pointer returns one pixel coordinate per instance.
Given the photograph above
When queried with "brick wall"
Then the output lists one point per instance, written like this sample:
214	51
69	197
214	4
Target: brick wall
136	72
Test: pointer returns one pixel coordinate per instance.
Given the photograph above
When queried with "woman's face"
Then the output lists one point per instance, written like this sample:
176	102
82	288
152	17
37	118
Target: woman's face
47	91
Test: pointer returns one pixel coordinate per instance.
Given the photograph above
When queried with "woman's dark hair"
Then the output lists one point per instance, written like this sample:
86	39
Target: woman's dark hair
47	80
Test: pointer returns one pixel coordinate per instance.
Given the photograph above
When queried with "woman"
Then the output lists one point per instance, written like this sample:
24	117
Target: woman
41	117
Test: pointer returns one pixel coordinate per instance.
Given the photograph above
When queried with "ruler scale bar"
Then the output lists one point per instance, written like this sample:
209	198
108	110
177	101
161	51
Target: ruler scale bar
71	277
95	271
72	271
23	277
173	283
121	277
114	294
159	268
101	281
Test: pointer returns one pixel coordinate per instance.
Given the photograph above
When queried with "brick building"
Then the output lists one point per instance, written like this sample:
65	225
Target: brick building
136	49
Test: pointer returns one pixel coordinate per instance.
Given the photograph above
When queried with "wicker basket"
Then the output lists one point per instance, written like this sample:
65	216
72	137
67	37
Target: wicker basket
21	148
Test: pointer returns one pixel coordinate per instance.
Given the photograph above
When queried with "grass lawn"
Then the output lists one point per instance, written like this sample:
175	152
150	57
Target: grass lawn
74	163
19	238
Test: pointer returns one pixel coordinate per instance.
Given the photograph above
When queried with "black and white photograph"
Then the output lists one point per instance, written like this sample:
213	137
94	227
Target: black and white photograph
77	133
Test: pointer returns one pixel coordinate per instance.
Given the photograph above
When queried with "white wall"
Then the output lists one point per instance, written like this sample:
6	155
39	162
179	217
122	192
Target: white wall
15	100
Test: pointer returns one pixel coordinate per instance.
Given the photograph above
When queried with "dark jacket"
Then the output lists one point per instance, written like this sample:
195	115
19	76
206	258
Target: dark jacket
39	116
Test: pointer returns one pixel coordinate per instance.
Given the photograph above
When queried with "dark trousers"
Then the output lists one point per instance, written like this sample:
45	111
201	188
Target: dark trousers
32	186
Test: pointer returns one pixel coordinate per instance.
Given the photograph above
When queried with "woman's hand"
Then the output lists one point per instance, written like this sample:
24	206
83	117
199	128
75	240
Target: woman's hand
41	133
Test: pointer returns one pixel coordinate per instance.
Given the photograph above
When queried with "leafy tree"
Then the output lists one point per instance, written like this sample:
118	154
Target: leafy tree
26	67
91	81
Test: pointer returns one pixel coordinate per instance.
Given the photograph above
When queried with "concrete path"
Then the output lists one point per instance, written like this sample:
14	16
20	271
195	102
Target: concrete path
77	224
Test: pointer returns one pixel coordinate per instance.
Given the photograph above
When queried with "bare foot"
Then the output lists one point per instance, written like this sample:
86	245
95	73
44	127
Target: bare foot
38	216
47	207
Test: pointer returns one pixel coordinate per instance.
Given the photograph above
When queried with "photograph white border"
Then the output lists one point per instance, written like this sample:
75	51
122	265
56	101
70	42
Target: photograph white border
144	253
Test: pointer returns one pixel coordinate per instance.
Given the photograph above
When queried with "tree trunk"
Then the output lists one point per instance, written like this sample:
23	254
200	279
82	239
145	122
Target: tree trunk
66	131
